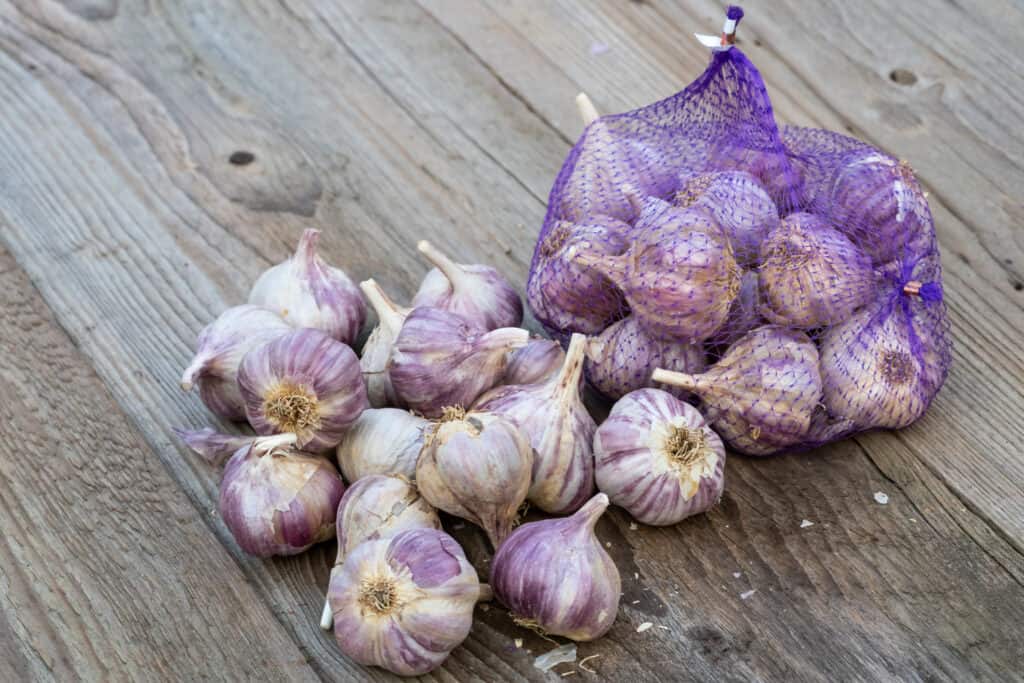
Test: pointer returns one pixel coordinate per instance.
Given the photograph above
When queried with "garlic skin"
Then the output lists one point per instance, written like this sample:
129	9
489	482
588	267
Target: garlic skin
657	458
780	176
554	575
305	383
211	445
476	466
559	429
307	292
478	293
440	359
219	351
744	314
534	363
382	441
404	603
276	500
812	275
376	358
761	395
622	358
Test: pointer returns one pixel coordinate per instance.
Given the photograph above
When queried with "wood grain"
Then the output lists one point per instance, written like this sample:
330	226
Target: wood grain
384	122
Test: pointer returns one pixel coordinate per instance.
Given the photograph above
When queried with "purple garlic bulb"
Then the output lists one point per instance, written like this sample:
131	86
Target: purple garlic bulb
780	176
564	292
219	351
761	395
740	205
878	203
476	466
534	363
559	428
657	458
276	500
812	275
622	358
440	360
480	294
555	576
307	292
376	358
304	383
404	603
679	275
882	367
382	441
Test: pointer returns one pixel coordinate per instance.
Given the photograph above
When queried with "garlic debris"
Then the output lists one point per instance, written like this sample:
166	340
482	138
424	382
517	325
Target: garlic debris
382	441
376	359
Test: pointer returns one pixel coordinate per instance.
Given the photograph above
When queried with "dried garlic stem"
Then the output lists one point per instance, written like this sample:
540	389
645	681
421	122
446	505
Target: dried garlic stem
586	108
450	268
387	311
327	616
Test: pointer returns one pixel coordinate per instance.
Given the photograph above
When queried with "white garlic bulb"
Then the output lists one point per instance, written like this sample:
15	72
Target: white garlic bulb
382	441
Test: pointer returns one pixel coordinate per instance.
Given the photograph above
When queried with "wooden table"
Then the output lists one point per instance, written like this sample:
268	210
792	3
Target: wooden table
156	156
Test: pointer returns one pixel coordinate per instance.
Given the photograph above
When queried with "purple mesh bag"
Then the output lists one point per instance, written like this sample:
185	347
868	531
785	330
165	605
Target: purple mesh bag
787	281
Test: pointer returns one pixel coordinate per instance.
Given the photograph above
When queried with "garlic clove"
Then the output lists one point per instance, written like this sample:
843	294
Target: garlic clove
762	393
404	603
382	441
440	359
306	383
211	445
219	351
657	458
559	429
555	577
479	293
307	292
476	466
376	357
534	363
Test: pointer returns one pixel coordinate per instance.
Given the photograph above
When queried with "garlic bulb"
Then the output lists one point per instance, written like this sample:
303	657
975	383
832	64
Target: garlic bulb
738	203
440	359
761	395
476	466
559	429
657	458
622	358
307	292
405	602
376	357
306	383
378	507
478	293
219	351
881	368
813	275
774	170
555	576
679	275
276	500
382	441
565	293
533	363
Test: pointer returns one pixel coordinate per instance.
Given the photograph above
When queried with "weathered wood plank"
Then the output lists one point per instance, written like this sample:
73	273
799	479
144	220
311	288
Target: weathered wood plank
107	571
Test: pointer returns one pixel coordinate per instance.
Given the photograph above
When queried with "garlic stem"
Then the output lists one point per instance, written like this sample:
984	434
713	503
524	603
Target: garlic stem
194	370
305	252
586	108
568	377
266	444
451	269
327	616
486	593
676	379
387	311
592	511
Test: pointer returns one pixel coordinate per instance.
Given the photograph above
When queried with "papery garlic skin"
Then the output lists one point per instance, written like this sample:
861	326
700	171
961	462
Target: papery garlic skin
559	428
440	359
276	500
305	383
554	575
761	395
744	314
382	441
476	466
657	458
375	361
812	275
211	445
219	351
534	363
404	603
622	358
480	294
781	177
307	292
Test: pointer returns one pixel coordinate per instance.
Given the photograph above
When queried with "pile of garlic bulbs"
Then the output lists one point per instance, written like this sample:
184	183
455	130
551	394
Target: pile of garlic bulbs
452	408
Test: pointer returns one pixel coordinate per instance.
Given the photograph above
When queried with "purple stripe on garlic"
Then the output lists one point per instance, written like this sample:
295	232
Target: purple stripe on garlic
656	457
382	441
376	359
536	362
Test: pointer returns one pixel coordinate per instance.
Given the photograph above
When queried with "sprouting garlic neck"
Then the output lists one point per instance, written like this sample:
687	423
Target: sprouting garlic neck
292	408
897	367
379	595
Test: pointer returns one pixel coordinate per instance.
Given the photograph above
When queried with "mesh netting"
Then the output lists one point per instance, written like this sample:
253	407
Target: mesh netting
788	280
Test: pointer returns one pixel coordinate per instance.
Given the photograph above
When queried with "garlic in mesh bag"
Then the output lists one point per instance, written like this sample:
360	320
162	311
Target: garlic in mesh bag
799	265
